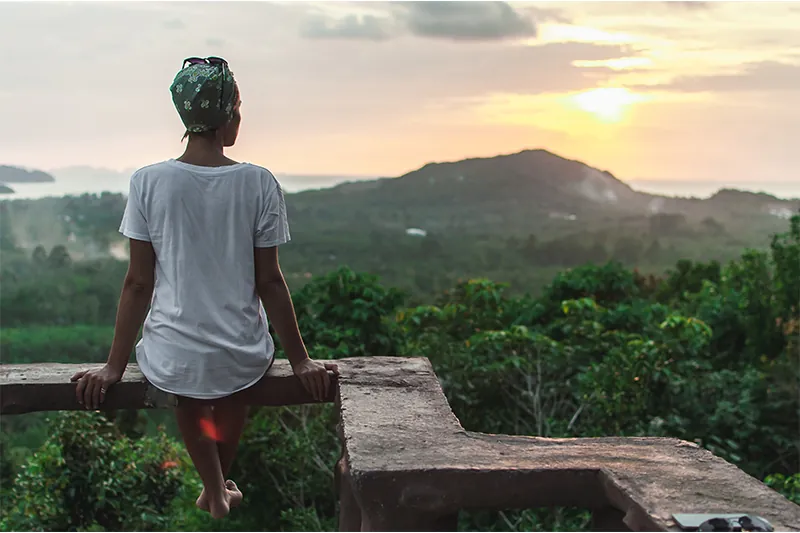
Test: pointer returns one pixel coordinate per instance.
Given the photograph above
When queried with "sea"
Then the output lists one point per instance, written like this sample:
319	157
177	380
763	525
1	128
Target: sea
704	189
77	181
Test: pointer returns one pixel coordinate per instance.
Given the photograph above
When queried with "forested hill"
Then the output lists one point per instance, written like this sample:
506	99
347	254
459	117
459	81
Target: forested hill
498	215
519	194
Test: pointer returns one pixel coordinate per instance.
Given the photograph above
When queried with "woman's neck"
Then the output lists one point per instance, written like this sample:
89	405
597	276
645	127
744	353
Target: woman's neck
205	153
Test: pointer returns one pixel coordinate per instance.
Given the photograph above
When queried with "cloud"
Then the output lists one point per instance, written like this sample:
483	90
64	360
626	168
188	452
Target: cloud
398	82
541	14
455	21
364	27
760	76
467	21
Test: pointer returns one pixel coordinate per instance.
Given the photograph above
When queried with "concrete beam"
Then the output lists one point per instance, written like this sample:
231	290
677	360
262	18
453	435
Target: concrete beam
47	387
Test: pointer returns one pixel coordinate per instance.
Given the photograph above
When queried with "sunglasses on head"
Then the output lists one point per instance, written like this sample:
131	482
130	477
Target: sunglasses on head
205	61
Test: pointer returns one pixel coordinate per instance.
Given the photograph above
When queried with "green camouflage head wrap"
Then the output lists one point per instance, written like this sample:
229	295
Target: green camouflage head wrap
204	95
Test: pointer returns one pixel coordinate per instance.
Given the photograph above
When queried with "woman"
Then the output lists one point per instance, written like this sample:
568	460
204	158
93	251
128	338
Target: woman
204	233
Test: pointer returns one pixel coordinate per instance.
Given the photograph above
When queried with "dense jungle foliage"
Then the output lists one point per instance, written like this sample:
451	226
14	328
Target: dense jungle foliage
709	352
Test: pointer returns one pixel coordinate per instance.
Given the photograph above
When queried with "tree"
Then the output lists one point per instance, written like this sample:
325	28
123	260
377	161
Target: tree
7	240
59	257
348	314
39	256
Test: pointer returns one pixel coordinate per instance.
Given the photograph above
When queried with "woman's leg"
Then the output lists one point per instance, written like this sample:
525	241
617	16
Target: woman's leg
204	454
228	416
229	419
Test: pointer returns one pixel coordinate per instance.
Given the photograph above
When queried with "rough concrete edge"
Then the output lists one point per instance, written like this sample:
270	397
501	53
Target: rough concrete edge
341	394
637	518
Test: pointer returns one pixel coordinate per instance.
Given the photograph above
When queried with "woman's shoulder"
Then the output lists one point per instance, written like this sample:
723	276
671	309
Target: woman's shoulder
267	177
152	168
144	175
259	169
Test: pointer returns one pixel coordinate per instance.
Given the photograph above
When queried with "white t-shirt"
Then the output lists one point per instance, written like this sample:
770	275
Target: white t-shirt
206	333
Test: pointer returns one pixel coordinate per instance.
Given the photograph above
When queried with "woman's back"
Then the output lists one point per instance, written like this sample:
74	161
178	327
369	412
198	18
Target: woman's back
206	334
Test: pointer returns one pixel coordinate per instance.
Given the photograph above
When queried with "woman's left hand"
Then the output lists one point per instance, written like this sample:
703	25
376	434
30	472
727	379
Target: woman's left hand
314	377
94	384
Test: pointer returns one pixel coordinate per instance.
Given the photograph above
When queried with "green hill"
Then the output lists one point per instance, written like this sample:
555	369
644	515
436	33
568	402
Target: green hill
533	191
510	217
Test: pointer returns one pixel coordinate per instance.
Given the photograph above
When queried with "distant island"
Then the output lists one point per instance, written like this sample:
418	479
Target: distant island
9	174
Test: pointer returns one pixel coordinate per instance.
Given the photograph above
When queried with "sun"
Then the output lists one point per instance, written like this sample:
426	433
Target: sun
607	104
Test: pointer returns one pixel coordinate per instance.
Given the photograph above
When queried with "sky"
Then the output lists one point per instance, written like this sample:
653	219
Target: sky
704	91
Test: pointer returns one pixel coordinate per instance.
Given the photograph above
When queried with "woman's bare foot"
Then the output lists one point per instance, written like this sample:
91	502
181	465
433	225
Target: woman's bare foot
221	508
233	493
202	501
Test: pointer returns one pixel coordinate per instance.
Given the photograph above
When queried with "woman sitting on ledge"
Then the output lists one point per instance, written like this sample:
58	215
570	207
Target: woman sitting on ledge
204	233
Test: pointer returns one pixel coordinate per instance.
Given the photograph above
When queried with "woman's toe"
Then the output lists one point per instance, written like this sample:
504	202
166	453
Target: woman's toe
235	493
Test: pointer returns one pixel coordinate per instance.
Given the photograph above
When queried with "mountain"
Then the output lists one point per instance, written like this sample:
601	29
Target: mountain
9	174
515	191
532	178
5	189
533	191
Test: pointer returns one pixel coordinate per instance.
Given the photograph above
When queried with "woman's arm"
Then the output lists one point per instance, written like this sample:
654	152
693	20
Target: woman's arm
274	294
137	290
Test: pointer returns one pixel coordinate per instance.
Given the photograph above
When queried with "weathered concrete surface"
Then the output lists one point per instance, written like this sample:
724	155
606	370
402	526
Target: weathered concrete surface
408	456
409	465
47	387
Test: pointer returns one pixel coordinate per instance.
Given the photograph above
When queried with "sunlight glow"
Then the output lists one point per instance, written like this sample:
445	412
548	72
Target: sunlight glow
549	33
607	104
601	114
619	63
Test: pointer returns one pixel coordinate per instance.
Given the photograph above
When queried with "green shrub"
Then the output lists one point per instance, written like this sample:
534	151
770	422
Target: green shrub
89	476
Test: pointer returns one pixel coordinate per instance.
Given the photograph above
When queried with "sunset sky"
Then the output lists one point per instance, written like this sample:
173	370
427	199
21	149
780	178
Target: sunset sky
646	90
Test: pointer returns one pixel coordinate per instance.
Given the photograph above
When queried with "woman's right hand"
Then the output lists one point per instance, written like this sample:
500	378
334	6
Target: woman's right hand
314	377
93	385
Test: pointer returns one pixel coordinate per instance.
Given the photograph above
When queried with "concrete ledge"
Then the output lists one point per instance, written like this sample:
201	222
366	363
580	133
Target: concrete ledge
409	461
47	387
